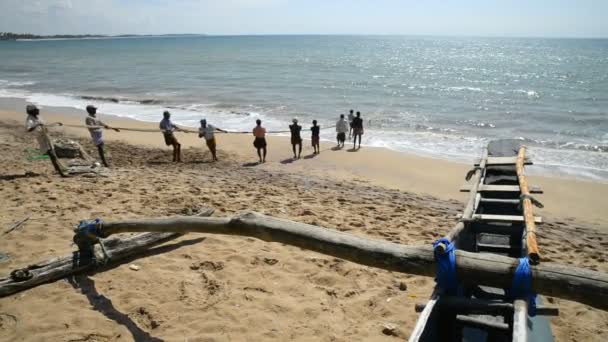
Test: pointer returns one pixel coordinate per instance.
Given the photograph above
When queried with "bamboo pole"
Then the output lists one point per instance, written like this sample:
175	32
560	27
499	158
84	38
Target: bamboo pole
532	246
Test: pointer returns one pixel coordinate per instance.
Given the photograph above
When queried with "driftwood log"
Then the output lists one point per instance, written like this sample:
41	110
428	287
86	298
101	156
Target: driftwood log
59	268
585	286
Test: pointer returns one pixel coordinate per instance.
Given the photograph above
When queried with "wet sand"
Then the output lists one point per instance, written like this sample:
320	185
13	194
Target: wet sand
218	288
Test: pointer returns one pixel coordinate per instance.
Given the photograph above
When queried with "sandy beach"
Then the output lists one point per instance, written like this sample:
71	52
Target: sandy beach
220	288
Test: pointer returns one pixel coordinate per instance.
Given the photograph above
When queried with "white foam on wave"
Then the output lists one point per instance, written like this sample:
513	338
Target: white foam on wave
187	115
430	143
17	84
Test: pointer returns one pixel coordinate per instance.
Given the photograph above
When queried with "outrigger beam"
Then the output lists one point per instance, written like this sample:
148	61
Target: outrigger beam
571	283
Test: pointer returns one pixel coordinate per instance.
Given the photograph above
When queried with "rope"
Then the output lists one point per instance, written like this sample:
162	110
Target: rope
521	286
472	172
446	276
87	234
183	130
532	199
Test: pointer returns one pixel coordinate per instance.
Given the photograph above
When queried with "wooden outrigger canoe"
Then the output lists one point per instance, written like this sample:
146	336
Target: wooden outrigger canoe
498	219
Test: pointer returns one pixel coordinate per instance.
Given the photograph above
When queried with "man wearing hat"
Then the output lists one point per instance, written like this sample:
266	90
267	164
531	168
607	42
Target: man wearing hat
167	127
95	128
296	138
208	132
34	124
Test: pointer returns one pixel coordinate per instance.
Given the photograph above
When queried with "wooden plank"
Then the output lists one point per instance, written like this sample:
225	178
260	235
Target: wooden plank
503	218
500	188
567	282
424	318
520	320
481	323
497	161
500	200
530	220
482	306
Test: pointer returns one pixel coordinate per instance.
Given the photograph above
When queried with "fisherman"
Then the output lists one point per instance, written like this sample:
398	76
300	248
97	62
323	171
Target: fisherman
167	127
357	127
259	133
296	139
95	128
315	137
34	124
208	132
341	129
351	117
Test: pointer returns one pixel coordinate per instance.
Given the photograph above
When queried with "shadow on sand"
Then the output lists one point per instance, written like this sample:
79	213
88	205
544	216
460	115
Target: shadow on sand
288	160
104	305
251	164
13	177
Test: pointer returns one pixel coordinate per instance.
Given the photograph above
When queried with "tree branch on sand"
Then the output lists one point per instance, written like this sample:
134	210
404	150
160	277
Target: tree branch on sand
571	283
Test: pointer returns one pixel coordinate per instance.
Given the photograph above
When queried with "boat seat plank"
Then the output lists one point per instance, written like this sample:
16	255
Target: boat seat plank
508	218
494	161
500	200
500	188
481	323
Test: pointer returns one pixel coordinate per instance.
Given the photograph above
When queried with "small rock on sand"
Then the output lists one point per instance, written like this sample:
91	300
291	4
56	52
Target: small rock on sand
134	267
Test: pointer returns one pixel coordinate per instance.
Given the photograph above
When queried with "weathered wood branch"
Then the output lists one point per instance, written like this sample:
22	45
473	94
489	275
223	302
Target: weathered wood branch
58	268
585	286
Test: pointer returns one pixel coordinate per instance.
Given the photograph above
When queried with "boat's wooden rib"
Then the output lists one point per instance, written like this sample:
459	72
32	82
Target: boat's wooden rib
500	188
503	161
496	220
503	218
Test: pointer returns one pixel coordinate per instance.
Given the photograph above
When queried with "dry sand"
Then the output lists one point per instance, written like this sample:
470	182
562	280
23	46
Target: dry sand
218	288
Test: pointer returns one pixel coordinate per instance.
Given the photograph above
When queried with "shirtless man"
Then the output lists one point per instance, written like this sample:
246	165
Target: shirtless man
259	143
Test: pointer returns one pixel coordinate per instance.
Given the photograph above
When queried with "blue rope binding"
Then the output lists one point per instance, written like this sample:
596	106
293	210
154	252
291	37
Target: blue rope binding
522	285
446	267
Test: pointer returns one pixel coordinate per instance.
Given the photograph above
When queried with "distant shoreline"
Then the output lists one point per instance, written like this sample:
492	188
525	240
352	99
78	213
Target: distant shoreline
7	36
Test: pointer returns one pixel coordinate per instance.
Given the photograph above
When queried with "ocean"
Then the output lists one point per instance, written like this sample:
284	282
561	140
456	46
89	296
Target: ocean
441	97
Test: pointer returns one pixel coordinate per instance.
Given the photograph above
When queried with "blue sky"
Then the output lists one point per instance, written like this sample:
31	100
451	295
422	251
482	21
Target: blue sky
537	18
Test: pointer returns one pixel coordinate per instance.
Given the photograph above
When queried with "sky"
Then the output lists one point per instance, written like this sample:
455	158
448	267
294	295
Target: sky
519	18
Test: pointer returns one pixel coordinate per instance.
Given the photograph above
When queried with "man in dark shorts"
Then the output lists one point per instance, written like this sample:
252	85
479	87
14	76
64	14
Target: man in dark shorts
296	139
341	129
207	131
167	127
357	126
95	127
315	137
351	117
259	143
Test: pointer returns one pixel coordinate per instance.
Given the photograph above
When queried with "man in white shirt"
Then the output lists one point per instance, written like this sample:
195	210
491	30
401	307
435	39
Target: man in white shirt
167	128
341	129
95	125
34	124
207	131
